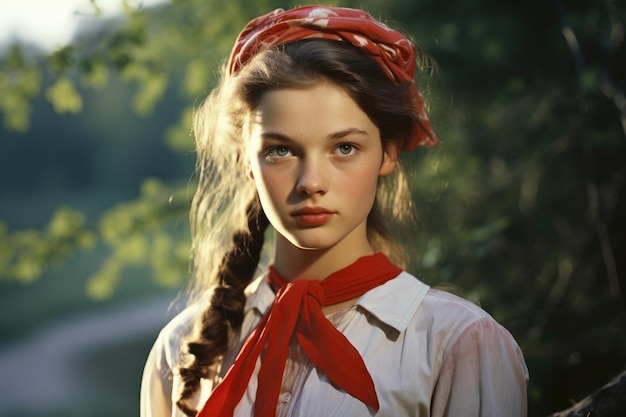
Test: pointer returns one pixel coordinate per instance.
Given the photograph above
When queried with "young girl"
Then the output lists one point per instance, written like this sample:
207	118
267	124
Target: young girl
304	134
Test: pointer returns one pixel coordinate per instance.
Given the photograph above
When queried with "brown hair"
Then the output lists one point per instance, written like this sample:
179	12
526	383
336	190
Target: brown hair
227	221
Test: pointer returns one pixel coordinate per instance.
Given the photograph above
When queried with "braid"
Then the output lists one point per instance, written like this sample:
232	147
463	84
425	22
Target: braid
224	315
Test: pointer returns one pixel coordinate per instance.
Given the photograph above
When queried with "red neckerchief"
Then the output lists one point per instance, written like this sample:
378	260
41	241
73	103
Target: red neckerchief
297	310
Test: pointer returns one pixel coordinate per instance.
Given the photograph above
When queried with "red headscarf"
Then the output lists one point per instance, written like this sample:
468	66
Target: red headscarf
389	48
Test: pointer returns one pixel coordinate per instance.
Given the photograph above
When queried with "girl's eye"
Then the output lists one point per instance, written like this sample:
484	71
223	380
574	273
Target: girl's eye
280	151
277	152
346	149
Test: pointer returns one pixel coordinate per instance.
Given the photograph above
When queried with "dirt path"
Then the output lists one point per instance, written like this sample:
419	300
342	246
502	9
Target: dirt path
37	373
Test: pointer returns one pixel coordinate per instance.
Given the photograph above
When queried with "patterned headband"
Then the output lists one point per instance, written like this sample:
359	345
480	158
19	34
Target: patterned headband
389	48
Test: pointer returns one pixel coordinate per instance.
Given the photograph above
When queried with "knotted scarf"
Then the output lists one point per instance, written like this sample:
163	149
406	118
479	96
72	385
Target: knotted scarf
389	48
297	311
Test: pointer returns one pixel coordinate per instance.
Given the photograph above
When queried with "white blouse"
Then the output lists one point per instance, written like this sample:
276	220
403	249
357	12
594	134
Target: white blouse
430	353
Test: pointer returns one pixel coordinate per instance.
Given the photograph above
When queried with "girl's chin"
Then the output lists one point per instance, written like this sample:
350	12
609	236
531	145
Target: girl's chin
309	247
307	243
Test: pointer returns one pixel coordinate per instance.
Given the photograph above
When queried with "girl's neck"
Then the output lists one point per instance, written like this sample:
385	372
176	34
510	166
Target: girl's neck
294	263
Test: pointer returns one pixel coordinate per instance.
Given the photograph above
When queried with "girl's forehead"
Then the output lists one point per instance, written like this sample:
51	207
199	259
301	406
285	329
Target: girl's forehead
321	109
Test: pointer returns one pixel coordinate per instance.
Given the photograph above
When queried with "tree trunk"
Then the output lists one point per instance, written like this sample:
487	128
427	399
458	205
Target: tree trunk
608	401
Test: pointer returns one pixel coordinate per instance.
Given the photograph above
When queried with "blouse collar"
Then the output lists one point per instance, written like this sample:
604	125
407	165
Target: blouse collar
406	291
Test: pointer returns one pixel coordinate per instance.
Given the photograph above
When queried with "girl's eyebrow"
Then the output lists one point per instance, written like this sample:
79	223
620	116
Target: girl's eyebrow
333	136
347	132
275	136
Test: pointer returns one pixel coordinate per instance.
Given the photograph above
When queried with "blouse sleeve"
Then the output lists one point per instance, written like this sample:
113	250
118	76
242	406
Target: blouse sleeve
156	384
483	374
159	384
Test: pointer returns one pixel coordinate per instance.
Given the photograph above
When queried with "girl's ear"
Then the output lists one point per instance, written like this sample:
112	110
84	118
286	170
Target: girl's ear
390	158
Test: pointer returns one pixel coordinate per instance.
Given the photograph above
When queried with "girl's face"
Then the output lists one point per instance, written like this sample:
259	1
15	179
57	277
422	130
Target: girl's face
315	157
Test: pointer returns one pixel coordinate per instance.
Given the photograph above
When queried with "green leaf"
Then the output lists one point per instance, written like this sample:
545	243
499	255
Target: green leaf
62	60
150	92
96	73
101	286
64	96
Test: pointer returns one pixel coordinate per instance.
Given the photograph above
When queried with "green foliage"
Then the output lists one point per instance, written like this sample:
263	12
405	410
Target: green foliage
520	206
95	73
64	96
20	81
144	232
27	254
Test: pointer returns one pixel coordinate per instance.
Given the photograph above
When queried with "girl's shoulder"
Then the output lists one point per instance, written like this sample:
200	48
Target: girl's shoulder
445	315
454	321
426	303
442	303
171	337
407	297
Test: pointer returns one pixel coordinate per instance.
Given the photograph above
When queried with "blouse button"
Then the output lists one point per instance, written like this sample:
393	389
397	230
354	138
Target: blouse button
285	397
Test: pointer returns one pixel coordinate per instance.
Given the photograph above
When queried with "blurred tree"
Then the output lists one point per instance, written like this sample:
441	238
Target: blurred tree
520	206
608	401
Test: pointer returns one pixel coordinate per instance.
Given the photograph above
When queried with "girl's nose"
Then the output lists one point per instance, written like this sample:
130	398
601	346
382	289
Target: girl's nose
312	178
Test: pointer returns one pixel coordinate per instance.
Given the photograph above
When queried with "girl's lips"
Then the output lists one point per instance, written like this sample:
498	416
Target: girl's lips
313	216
